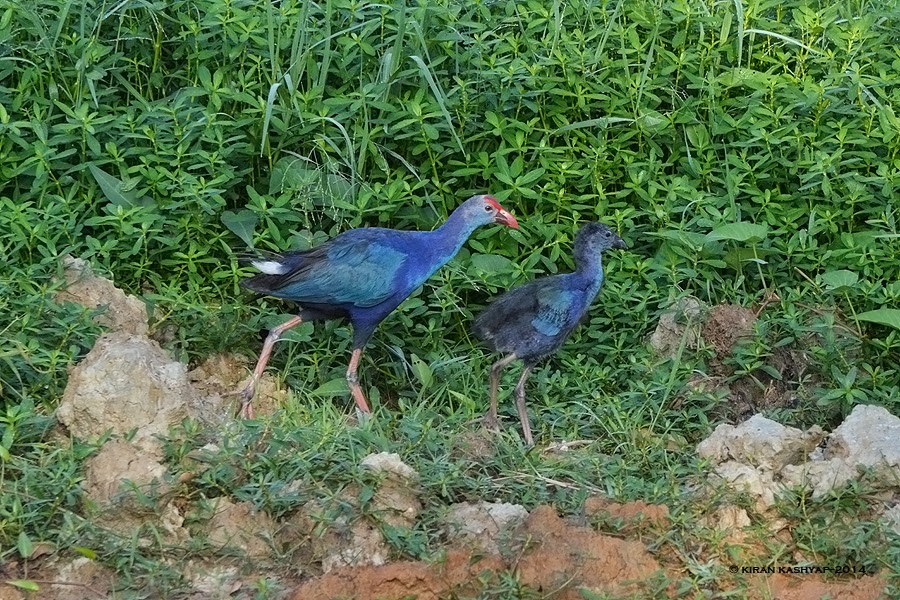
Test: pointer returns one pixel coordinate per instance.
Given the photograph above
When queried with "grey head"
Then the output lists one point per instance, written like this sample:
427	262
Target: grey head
594	239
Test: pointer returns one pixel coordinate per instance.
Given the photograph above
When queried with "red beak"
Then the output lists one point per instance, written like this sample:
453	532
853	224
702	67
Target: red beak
504	217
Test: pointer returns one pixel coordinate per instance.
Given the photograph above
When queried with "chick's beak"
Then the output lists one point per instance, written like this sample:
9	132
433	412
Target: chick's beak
504	217
620	244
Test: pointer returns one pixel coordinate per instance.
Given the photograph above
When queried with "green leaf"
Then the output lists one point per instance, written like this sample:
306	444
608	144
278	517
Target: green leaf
24	584
113	189
882	316
686	238
600	122
335	387
85	552
423	372
241	224
653	121
835	280
24	545
739	232
292	173
491	263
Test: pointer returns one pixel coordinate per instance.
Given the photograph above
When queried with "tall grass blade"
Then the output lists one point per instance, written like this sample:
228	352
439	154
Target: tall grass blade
267	116
784	38
439	95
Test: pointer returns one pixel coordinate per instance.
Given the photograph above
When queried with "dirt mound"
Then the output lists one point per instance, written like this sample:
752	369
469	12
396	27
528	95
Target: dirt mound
126	382
549	554
220	376
403	579
726	325
635	515
785	587
566	558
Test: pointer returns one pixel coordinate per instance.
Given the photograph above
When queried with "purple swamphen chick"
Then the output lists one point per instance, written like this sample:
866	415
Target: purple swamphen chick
533	320
362	275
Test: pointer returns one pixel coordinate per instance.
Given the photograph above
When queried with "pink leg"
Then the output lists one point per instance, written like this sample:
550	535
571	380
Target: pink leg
520	406
250	389
490	419
353	381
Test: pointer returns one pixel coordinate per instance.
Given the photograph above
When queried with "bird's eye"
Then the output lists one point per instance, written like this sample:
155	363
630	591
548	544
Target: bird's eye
488	208
607	234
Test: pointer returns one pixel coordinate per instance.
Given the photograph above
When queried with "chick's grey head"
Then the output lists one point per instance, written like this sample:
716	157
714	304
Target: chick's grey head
596	238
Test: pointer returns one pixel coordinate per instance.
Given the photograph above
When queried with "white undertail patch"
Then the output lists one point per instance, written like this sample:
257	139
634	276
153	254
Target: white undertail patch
270	267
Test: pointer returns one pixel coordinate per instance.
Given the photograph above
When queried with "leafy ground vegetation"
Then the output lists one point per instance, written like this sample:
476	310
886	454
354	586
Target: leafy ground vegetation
748	150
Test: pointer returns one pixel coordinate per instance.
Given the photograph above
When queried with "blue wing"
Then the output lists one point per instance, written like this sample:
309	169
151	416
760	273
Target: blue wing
553	310
359	270
543	305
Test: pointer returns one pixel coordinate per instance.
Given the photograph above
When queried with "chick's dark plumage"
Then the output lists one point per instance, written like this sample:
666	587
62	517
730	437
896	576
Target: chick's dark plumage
533	320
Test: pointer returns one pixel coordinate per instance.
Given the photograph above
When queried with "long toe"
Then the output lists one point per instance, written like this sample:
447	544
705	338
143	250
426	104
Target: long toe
529	441
489	421
247	411
246	395
362	417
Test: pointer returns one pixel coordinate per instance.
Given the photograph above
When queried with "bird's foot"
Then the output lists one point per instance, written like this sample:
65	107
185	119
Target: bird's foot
490	422
362	417
246	394
247	411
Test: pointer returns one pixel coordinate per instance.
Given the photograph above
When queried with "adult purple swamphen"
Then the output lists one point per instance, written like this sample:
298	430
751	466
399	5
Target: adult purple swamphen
362	275
532	321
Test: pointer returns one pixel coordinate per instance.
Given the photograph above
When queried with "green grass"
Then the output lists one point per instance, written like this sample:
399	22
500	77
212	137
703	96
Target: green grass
742	148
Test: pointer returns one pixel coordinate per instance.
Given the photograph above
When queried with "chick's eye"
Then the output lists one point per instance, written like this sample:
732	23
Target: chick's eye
607	234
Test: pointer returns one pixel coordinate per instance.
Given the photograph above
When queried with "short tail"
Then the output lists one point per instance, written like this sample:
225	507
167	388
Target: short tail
272	266
268	263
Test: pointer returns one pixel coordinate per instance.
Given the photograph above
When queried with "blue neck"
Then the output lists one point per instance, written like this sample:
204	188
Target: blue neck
590	268
450	236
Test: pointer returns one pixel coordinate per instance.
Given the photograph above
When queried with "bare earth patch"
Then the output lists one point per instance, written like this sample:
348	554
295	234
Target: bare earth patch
339	543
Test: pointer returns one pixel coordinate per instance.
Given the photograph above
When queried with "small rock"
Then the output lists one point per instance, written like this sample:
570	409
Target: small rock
891	518
213	581
758	483
219	373
241	525
759	442
387	462
681	320
216	380
117	462
122	312
339	534
85	574
111	477
484	524
776	526
365	546
730	518
316	534
396	499
868	439
126	382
